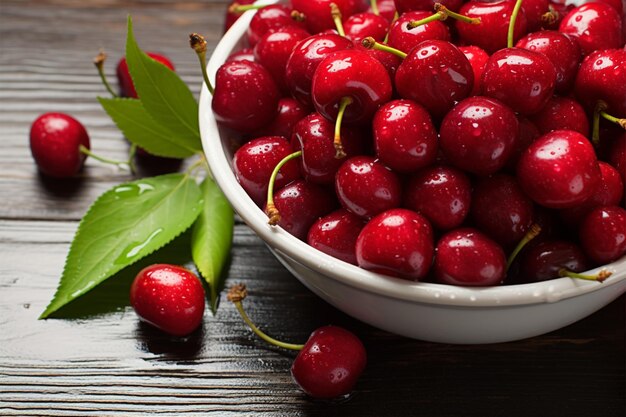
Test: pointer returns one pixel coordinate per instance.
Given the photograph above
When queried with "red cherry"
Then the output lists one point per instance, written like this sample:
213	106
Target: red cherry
603	234
254	162
350	74
274	48
55	140
241	55
478	135
365	187
270	18
245	96
545	260
602	76
290	112
491	33
361	25
501	210
441	194
526	134
435	74
559	170
335	234
561	113
595	26
467	257
317	12
534	10
305	59
169	297
398	243
561	50
522	79
404	38
404	136
477	59
314	135
127	88
330	363
300	204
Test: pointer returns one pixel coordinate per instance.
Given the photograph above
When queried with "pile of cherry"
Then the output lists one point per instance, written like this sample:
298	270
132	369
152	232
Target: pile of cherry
412	141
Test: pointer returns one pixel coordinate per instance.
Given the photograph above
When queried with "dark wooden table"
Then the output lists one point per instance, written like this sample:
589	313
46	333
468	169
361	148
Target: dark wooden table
99	360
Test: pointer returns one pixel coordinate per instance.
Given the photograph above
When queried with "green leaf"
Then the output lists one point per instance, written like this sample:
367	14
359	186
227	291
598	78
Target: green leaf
123	225
163	94
211	238
141	129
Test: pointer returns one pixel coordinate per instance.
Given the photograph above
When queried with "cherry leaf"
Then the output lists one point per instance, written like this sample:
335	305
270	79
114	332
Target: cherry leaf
212	237
125	224
141	129
162	93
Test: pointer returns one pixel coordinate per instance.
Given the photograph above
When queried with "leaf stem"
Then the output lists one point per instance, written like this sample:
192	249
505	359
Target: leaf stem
236	295
510	35
198	44
270	209
102	159
532	233
98	61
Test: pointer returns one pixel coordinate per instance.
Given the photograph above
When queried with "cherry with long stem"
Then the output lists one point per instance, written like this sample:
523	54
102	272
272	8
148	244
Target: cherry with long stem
270	209
442	13
370	43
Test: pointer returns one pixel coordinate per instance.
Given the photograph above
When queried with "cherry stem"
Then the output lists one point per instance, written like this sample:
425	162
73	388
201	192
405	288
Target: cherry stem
370	43
442	13
516	9
242	8
98	61
104	160
532	233
396	16
600	276
616	120
270	209
374	5
198	44
236	295
343	104
336	15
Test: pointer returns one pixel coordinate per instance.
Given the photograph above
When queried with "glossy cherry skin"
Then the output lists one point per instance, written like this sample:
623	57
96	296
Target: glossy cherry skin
300	204
478	135
273	50
317	12
55	140
442	194
355	74
559	170
562	113
435	74
602	76
330	363
245	97
522	79
127	88
231	17
546	259
366	187
534	10
242	55
305	59
609	192
595	26
335	234
254	162
561	50
314	135
168	297
477	59
290	112
386	8
501	210
469	258
603	234
491	33
361	25
268	19
404	38
397	242
405	139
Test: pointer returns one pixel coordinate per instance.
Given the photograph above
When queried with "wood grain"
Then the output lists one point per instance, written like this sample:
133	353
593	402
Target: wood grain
97	359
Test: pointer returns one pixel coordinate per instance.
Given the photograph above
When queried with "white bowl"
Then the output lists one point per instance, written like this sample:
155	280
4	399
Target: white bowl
433	312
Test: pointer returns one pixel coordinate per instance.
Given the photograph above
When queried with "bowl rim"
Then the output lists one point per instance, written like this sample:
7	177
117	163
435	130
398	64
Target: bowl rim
351	275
